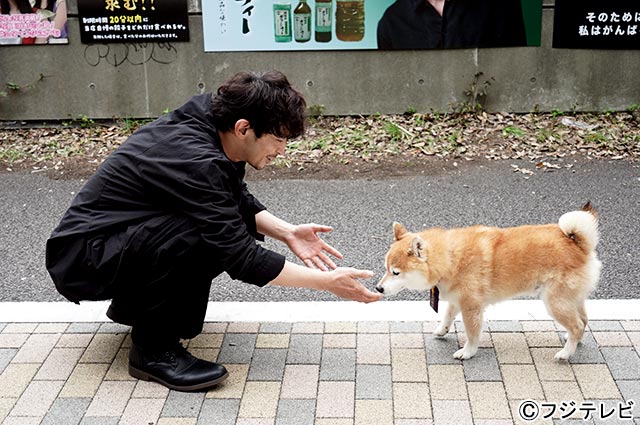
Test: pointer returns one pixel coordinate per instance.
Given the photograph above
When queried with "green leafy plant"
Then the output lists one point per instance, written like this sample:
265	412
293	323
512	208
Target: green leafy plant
85	121
476	94
410	111
393	130
131	124
10	155
11	87
81	121
316	110
597	137
511	130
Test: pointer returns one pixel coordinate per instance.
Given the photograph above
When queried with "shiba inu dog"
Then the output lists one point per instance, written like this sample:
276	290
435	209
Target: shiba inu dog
473	267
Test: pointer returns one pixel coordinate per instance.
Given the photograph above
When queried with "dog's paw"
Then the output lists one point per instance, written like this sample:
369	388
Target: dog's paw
441	330
464	353
563	354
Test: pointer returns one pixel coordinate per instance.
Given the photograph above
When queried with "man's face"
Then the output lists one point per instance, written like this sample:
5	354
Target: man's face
264	150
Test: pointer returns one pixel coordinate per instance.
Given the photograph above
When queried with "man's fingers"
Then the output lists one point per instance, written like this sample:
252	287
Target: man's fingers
361	274
366	296
372	297
331	250
319	264
326	260
321	228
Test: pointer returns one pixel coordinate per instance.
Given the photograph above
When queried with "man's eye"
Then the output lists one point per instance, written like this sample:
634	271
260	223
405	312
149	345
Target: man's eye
395	273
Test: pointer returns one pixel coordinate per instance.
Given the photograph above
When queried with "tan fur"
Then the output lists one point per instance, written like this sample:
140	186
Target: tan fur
474	267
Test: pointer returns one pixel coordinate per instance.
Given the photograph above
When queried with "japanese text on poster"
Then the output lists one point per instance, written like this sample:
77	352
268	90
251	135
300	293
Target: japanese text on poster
614	24
125	21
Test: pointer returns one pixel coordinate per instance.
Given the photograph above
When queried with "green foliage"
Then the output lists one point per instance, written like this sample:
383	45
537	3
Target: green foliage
316	110
11	87
10	155
597	137
410	111
85	121
393	130
81	121
511	130
476	95
131	124
634	108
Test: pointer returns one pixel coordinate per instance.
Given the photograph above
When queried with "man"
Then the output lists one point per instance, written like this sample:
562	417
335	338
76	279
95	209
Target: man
168	211
433	24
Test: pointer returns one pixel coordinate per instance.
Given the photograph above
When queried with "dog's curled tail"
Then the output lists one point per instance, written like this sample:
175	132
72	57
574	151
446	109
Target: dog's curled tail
581	227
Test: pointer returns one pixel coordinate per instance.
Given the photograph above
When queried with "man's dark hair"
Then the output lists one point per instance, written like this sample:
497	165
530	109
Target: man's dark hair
267	100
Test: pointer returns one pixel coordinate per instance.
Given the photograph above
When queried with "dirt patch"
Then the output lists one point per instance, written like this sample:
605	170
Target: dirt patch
354	169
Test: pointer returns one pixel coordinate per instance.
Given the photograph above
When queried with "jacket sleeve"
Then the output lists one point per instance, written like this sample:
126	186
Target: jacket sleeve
210	195
249	207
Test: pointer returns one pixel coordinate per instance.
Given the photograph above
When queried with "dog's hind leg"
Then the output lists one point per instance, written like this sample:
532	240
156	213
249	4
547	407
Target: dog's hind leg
449	316
472	318
569	313
582	311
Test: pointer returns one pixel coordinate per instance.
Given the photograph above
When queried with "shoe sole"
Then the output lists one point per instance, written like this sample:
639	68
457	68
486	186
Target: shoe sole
139	374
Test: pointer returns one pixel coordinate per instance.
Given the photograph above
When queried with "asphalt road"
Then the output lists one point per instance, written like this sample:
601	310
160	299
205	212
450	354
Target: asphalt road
361	212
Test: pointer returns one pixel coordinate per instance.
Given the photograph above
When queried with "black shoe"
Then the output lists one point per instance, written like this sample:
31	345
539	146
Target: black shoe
175	368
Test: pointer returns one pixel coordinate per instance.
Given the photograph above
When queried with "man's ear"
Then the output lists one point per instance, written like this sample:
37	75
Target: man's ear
419	248
398	230
241	127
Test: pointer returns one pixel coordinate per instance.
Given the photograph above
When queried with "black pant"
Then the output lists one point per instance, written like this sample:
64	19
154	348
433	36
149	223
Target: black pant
157	273
163	279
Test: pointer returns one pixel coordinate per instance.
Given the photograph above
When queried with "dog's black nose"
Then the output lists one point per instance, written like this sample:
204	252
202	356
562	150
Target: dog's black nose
380	289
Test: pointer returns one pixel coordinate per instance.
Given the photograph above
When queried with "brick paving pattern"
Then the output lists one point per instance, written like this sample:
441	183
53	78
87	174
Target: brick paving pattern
326	373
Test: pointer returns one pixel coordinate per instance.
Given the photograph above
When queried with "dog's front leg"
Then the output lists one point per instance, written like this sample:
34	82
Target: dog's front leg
472	318
449	316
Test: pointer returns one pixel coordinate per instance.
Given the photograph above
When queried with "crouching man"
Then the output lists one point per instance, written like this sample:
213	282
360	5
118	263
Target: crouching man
168	211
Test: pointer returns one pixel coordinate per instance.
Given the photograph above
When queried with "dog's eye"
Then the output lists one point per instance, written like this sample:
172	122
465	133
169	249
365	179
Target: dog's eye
395	273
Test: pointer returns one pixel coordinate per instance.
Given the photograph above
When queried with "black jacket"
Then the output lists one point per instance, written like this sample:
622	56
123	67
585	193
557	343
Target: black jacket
172	166
415	24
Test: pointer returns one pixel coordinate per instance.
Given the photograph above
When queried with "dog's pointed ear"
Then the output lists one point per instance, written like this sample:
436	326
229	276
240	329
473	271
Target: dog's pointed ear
399	230
419	248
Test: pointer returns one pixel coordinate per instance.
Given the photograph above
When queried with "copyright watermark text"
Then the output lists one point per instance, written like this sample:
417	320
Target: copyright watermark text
531	410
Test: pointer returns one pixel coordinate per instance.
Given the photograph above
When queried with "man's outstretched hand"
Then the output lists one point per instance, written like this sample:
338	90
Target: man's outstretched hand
310	248
345	284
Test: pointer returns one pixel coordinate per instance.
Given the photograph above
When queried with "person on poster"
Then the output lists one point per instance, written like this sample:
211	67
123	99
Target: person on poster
53	11
168	211
16	7
434	24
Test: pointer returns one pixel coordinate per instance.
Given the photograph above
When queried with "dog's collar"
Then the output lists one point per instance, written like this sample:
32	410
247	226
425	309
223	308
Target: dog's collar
434	298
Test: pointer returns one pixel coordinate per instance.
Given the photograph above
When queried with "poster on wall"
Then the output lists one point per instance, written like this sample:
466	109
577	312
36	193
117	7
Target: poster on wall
133	21
596	24
25	22
264	25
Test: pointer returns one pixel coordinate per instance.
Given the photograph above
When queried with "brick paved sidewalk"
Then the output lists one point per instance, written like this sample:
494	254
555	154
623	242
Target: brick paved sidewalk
324	373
